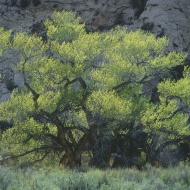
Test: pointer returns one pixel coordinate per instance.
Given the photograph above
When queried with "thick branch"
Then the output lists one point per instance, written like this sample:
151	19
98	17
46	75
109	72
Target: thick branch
24	154
35	95
61	138
80	128
72	139
121	85
81	144
78	79
43	157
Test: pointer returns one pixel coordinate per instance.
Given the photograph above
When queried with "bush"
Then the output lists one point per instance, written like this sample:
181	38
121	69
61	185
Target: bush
58	178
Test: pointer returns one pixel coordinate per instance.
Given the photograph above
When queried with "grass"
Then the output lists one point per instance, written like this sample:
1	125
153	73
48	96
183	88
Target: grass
150	178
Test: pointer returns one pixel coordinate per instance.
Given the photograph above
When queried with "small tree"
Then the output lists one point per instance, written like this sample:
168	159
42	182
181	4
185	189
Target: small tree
82	91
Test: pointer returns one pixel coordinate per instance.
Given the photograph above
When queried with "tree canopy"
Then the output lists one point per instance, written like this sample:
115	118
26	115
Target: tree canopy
91	94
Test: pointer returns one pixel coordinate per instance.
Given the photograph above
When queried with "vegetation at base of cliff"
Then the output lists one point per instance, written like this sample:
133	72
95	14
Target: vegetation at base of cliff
95	96
177	178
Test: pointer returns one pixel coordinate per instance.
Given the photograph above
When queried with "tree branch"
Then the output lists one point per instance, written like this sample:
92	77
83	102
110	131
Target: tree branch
80	128
41	159
24	154
35	95
121	85
78	79
174	113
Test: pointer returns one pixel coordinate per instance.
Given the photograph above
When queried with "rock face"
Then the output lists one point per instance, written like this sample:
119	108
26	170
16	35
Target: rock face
170	18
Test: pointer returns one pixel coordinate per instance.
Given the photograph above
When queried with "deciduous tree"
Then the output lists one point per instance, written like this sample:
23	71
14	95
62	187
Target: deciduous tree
83	92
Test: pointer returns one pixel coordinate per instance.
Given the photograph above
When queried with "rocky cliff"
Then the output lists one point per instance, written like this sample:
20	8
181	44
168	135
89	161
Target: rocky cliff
170	18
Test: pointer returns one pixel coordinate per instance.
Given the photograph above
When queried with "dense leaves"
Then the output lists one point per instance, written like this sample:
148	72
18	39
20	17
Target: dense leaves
89	95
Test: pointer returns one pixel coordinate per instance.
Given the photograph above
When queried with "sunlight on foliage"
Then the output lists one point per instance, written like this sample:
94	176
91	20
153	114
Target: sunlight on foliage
83	91
4	39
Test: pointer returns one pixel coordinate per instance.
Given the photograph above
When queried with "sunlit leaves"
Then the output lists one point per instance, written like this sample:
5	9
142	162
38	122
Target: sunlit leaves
28	46
47	74
64	26
18	107
77	81
165	118
49	100
4	39
171	60
179	89
109	105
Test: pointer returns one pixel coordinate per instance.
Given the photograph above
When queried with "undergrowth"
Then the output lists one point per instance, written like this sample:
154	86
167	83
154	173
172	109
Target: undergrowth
150	178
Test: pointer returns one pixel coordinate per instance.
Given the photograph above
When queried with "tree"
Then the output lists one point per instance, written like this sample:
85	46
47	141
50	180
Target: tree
87	92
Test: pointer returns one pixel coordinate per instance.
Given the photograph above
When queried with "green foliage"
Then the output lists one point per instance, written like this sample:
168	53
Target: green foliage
64	28
57	179
77	84
4	39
